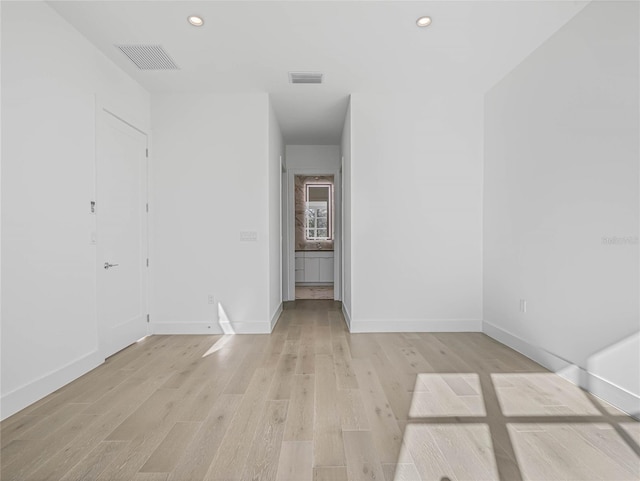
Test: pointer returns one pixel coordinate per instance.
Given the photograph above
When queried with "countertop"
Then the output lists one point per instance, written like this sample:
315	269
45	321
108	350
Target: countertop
314	250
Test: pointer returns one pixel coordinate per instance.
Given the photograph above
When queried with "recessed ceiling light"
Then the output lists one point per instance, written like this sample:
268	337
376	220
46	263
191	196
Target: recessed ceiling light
423	21
195	20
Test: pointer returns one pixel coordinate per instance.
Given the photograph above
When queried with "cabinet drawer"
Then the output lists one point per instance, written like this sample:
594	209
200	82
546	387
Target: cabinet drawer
318	254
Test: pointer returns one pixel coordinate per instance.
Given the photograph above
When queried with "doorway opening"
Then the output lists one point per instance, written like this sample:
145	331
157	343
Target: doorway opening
314	208
313	234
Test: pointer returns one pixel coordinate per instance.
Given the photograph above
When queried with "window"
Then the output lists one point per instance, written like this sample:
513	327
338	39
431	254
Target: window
317	218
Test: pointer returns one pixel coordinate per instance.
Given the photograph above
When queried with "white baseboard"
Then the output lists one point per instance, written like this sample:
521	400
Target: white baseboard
177	328
542	357
276	317
347	316
20	398
609	392
615	395
415	325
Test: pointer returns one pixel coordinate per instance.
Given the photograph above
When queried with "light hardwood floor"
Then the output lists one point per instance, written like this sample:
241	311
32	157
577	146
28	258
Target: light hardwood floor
314	292
313	402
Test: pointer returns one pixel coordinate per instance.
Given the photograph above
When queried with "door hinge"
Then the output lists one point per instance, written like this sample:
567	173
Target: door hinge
147	317
146	151
147	262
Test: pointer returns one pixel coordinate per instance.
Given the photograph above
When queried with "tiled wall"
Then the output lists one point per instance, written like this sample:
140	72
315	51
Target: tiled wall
300	181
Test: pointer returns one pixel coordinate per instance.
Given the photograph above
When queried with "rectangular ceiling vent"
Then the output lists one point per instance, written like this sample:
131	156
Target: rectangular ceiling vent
148	57
305	77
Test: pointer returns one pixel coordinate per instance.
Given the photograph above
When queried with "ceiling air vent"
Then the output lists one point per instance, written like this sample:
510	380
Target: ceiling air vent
305	77
148	57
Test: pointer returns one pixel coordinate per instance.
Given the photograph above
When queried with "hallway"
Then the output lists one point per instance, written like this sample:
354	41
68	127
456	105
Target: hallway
313	402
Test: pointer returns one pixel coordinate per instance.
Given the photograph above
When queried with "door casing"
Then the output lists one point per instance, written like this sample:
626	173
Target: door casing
290	294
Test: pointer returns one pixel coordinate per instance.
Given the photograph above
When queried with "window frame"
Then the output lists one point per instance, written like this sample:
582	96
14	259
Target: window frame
315	217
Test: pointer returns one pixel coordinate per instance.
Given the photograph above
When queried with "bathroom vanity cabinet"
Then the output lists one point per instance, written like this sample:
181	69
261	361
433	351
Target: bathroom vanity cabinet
314	267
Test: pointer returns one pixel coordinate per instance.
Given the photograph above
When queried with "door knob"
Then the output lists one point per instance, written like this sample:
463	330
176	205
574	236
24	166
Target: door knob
107	265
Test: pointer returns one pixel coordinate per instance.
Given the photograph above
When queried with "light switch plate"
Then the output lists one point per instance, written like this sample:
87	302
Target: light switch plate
248	236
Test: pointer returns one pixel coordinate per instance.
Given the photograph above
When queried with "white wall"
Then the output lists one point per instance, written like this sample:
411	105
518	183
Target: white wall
345	149
51	76
276	153
211	176
416	178
561	177
326	157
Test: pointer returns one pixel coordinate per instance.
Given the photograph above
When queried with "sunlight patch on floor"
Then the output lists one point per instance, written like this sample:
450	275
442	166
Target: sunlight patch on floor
633	429
447	395
584	452
455	451
540	394
219	344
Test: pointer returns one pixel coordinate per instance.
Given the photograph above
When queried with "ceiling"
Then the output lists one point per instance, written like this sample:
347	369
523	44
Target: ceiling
360	46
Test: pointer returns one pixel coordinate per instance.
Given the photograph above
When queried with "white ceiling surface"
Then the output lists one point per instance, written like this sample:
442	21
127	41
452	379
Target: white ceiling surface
360	46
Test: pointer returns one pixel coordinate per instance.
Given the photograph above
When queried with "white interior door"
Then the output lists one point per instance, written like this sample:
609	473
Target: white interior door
121	199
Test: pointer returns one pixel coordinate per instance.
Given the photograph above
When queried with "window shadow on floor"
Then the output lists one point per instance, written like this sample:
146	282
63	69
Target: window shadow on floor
480	411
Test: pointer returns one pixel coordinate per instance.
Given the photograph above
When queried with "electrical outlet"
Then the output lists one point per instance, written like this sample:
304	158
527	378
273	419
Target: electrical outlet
211	299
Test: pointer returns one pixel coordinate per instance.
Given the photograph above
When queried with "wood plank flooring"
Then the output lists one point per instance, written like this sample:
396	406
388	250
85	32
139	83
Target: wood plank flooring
314	292
312	402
